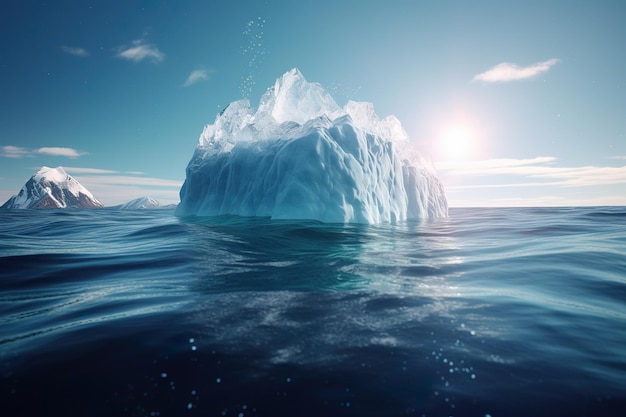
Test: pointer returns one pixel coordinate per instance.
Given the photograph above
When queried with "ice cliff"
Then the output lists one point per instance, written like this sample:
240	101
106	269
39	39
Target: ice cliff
299	155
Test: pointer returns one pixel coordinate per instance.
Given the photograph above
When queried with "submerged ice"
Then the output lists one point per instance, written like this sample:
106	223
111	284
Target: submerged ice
299	155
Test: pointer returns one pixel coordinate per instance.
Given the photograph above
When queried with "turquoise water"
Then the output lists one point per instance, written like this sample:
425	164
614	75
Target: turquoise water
500	312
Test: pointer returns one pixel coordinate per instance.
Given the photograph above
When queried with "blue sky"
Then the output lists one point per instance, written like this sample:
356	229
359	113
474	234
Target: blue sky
518	103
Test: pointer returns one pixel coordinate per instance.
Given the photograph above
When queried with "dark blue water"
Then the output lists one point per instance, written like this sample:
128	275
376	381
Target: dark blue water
499	312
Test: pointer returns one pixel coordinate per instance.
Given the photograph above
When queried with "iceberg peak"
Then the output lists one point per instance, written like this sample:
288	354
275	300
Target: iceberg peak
294	99
287	105
52	188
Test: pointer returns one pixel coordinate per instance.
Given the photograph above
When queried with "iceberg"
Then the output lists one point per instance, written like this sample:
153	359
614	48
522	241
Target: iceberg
299	155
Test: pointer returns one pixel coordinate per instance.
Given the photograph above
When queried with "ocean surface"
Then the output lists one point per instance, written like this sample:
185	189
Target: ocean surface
490	312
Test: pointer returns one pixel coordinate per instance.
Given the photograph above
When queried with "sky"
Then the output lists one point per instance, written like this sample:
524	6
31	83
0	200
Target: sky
516	103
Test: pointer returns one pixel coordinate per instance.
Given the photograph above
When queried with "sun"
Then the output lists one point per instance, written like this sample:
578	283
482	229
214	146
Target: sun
457	142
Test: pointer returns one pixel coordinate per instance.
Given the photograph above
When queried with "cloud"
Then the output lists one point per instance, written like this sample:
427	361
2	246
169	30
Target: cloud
74	51
538	171
494	166
197	75
506	72
19	152
129	180
115	187
140	51
57	151
15	152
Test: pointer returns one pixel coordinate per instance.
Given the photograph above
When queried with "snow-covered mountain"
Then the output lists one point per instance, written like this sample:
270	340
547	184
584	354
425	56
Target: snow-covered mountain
299	155
52	188
140	203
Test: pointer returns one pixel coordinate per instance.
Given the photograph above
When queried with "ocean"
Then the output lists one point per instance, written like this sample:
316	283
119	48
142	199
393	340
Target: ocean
490	312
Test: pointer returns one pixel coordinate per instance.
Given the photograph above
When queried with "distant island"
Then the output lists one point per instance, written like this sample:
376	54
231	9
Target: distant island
53	188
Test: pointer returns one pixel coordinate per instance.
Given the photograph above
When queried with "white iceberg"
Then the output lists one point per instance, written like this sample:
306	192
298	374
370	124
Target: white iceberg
301	156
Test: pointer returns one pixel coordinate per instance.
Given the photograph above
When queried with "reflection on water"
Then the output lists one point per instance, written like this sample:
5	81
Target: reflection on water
470	315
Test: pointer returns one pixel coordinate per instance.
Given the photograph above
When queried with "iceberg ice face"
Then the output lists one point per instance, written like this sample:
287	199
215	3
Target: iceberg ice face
300	156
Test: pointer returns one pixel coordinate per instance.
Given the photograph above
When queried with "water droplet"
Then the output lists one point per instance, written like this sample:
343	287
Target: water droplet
189	406
191	340
163	375
218	380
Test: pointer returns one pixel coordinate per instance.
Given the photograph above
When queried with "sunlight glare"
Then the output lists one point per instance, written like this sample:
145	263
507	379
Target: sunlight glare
457	142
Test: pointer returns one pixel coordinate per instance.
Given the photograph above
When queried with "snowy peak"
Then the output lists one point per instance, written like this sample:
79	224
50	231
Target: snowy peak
52	188
57	175
141	203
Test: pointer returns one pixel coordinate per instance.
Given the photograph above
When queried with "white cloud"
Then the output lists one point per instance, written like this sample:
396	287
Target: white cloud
490	166
58	151
80	170
15	152
506	72
116	187
538	171
128	180
197	75
74	51
19	152
98	171
140	51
